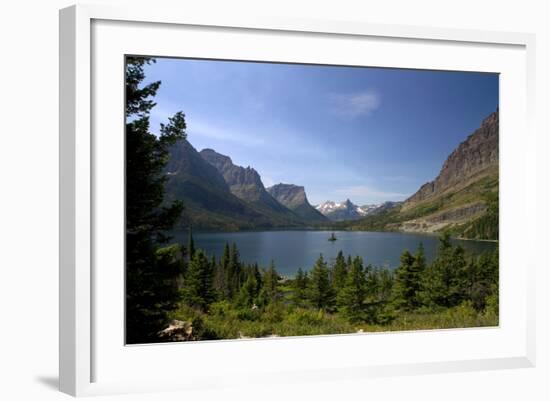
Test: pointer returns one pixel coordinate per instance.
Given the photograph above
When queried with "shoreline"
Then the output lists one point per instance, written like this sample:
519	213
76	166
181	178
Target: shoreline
431	234
495	241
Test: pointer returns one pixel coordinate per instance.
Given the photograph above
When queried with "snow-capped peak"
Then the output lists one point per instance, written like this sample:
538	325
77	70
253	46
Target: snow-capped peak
345	210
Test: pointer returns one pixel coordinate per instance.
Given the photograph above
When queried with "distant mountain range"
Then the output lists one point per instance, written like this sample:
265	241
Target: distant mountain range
219	195
347	210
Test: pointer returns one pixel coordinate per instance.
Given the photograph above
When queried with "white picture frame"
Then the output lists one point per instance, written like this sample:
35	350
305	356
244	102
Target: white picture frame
95	361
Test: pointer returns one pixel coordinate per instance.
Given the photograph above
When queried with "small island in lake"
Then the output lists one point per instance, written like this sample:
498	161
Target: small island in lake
332	237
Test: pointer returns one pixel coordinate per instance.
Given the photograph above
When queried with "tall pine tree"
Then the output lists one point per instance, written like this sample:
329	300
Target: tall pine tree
351	297
248	292
151	285
404	290
445	280
320	292
199	282
300	287
270	289
234	272
191	243
339	272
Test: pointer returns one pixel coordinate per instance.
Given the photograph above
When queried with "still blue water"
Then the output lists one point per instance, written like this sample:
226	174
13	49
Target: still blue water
293	249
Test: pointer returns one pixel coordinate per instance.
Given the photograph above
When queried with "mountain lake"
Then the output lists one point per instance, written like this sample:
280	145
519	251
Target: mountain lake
291	250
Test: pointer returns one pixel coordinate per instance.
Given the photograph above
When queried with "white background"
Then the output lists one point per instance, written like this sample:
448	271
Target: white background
28	201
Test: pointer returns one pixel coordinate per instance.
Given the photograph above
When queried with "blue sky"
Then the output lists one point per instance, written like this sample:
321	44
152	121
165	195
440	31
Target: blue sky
367	134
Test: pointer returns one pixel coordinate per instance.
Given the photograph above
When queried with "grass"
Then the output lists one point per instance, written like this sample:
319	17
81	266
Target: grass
226	321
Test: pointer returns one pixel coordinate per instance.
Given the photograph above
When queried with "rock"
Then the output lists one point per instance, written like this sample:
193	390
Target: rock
478	153
246	184
294	197
177	330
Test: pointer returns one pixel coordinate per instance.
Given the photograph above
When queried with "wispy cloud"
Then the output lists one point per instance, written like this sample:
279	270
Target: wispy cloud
212	131
273	139
355	104
197	126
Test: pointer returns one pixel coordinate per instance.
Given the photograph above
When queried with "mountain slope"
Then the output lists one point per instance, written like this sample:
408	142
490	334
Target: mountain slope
208	201
466	164
246	184
294	197
463	198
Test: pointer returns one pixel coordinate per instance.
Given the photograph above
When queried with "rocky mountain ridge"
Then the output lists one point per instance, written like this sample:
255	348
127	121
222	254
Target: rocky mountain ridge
294	197
219	195
208	201
462	199
473	157
244	182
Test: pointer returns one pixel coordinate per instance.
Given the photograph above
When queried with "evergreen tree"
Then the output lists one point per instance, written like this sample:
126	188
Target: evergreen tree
150	284
379	290
372	285
258	277
199	287
222	274
418	269
408	280
320	292
300	287
444	282
404	290
220	284
270	289
191	243
352	296
225	257
234	272
482	279
339	272
248	292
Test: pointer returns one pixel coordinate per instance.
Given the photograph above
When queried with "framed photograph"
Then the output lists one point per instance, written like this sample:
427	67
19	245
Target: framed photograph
276	199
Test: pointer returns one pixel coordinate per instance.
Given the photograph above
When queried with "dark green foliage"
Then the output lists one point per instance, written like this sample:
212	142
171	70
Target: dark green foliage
249	291
339	272
444	282
258	277
320	292
403	289
198	285
408	280
270	292
191	244
300	287
233	271
150	280
351	297
379	289
482	281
